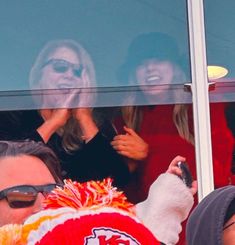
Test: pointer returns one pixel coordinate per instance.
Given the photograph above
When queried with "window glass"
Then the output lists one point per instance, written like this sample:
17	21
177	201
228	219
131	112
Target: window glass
220	40
30	31
129	59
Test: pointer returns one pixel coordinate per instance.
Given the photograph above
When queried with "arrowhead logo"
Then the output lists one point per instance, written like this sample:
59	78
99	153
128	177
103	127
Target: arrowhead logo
108	236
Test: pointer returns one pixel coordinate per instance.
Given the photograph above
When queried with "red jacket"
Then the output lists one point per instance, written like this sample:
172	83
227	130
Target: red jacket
159	131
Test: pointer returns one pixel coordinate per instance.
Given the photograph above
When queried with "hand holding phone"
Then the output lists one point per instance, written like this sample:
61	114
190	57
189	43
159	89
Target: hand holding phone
186	174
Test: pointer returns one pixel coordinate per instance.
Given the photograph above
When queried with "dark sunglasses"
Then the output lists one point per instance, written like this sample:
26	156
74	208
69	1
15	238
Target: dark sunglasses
62	66
23	196
228	226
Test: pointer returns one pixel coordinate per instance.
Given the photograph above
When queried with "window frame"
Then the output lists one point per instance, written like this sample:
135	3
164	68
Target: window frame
200	97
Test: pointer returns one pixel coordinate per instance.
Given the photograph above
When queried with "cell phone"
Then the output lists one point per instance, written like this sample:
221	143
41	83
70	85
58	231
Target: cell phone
108	130
186	174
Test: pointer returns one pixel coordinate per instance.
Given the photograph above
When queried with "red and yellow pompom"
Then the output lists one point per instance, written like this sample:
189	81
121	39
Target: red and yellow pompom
11	234
91	194
93	212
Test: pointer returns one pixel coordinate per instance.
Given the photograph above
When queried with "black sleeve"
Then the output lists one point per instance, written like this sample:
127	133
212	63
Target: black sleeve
230	116
104	161
19	125
31	120
34	136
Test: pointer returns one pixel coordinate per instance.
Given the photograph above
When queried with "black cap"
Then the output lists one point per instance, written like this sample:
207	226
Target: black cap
146	46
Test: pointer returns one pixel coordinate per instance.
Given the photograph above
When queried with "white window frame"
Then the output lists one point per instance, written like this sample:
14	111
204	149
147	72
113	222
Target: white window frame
200	97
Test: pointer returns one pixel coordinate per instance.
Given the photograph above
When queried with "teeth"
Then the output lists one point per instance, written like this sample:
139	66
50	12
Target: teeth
153	78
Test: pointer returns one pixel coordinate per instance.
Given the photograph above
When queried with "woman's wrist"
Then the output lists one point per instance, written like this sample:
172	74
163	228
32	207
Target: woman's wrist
89	134
47	129
87	125
88	129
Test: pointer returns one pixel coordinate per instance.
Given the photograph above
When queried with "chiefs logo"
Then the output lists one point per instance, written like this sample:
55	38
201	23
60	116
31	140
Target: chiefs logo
107	236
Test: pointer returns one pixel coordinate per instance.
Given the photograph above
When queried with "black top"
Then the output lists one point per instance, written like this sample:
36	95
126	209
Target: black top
230	117
94	161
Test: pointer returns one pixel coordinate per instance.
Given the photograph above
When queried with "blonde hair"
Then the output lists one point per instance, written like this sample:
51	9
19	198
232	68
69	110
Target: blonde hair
133	115
71	133
180	119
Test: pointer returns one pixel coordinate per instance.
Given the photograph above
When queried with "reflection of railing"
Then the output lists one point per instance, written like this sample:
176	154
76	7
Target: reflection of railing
224	91
188	86
221	90
103	96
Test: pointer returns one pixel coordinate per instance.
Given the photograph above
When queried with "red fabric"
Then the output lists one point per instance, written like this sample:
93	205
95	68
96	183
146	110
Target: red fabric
101	228
159	131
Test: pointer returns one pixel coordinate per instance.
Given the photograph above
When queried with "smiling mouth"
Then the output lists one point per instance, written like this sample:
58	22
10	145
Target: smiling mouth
154	79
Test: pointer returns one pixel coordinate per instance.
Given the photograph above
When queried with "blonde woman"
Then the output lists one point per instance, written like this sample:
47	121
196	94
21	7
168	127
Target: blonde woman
63	85
154	134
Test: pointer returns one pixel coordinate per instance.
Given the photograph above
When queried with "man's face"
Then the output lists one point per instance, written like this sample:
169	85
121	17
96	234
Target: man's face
229	232
21	170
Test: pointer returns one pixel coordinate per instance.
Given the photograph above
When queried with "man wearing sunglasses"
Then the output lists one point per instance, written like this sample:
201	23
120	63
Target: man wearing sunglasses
28	171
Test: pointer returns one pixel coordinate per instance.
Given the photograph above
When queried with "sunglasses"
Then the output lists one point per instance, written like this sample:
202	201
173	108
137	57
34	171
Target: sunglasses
62	66
23	196
228	225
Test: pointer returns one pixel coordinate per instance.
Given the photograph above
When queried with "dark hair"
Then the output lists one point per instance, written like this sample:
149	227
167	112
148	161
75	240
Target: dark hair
32	148
230	211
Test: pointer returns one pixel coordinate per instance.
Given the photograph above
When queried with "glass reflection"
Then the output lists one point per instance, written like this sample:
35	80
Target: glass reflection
154	63
106	32
150	135
63	73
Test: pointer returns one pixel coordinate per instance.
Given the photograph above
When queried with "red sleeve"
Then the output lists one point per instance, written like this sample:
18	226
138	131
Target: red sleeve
222	145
